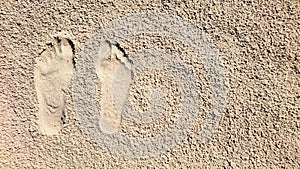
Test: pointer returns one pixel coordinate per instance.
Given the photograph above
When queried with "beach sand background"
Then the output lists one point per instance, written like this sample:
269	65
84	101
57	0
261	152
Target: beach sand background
258	42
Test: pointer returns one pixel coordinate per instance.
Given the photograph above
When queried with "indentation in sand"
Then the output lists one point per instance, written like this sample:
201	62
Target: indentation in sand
53	72
112	69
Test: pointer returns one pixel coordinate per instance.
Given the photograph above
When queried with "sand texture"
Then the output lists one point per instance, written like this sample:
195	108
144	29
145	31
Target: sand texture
41	126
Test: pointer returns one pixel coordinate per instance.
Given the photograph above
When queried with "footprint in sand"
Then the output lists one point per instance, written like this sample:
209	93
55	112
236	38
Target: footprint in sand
113	70
52	74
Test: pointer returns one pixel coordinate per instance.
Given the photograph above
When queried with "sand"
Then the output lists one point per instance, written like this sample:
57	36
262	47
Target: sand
257	42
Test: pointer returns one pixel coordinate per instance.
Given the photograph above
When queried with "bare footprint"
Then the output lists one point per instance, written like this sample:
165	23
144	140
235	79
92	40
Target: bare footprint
52	74
114	71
